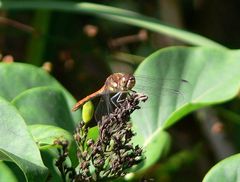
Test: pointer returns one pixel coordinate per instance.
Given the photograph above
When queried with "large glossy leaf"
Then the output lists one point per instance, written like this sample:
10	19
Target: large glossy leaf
17	144
226	170
6	174
18	77
44	105
115	14
213	76
45	135
157	147
49	158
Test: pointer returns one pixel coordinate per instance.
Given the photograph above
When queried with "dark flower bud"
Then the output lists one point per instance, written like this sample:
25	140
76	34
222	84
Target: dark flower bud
112	153
90	142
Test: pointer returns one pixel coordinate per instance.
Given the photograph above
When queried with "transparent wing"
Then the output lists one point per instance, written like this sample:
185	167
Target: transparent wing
104	107
168	89
108	103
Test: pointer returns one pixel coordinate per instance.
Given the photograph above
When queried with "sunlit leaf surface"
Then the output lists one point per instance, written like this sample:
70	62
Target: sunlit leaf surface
208	72
19	77
226	170
17	144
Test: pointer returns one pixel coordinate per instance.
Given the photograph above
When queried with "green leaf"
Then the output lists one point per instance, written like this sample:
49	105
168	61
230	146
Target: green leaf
114	14
44	105
226	170
49	157
19	77
157	148
17	144
213	76
45	135
6	174
93	133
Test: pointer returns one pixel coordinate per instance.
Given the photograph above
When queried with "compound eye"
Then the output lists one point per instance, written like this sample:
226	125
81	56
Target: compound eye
132	79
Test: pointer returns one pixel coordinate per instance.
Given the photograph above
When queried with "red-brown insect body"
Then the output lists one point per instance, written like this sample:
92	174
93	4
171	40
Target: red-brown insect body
117	82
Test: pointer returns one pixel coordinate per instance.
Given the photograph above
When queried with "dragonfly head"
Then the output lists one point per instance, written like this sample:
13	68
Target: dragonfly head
120	82
127	82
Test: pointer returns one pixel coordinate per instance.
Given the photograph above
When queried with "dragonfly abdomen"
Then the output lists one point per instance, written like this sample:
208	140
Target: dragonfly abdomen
87	98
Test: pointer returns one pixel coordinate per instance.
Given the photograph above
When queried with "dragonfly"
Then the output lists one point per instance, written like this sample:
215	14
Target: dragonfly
119	84
115	83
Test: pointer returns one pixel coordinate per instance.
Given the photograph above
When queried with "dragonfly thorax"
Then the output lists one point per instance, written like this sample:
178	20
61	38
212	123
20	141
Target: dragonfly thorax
120	82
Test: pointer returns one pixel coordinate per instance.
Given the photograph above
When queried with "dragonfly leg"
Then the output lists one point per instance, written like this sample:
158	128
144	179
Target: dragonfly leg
118	98
133	91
